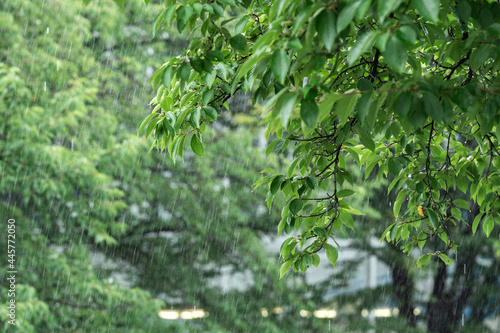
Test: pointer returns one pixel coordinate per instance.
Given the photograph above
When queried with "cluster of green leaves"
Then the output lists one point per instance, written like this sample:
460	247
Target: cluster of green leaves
407	89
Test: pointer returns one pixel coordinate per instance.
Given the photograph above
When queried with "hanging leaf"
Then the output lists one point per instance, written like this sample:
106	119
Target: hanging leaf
445	259
347	15
433	106
167	77
285	267
423	260
361	46
331	253
287	108
295	206
326	27
309	112
429	9
197	145
395	54
280	65
239	42
385	7
434	219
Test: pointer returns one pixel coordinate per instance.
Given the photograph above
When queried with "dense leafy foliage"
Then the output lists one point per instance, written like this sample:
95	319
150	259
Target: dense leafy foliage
406	89
436	297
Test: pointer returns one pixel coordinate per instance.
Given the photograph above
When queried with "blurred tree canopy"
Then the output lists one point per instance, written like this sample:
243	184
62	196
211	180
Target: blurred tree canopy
107	234
408	90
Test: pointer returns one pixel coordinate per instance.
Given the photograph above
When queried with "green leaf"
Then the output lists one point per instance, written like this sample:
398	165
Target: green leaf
180	119
346	219
217	9
198	8
280	65
423	260
209	78
215	55
479	57
184	72
445	259
403	104
320	232
287	107
178	147
326	27
312	182
240	25
295	206
228	2
463	10
429	9
394	166
364	85
345	106
488	225
196	64
461	203
326	106
303	16
291	168
210	112
145	122
207	96
361	46
158	21
387	232
407	34
434	218
167	77
285	267
270	147
475	223
152	126
385	7
239	42
345	193
309	112
315	259
197	145
433	106
331	253
399	201
395	54
184	13
346	16
365	138
275	184
294	43
170	15
195	117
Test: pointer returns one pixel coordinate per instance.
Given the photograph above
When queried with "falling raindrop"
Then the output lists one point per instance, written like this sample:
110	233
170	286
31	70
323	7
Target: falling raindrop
47	30
463	319
45	86
57	68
